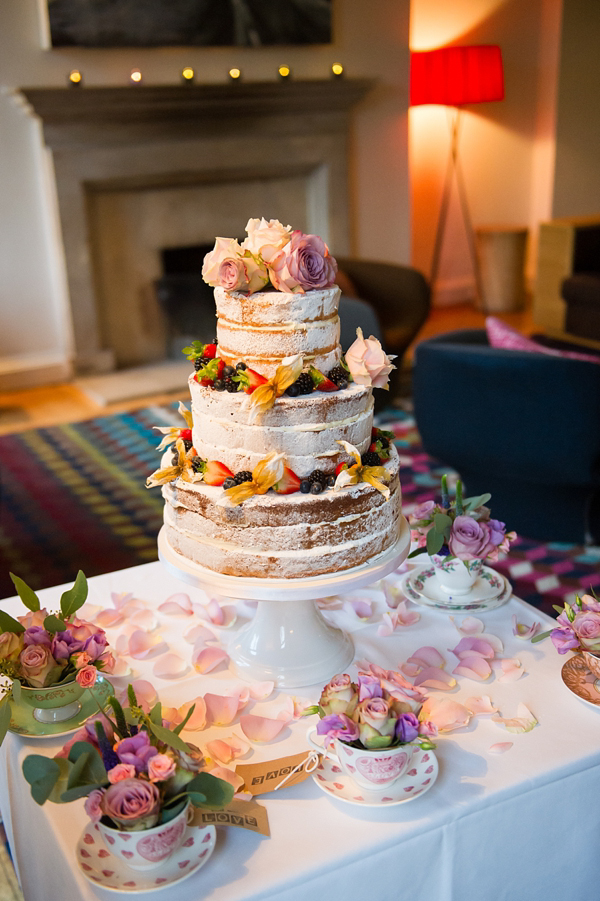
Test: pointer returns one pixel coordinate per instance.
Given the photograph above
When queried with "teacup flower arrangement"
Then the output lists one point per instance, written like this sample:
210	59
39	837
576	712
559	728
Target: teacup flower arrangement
42	649
458	534
137	776
578	629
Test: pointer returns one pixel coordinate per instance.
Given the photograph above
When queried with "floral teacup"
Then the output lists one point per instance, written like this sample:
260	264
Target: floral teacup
374	769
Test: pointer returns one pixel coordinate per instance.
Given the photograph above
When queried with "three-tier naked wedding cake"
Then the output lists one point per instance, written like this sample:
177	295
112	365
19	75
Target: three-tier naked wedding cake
279	473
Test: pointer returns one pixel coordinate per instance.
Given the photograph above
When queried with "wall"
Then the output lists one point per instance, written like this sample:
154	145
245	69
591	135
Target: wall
35	333
577	174
506	148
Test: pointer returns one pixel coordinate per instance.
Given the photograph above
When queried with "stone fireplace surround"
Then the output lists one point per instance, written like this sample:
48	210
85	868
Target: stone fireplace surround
141	168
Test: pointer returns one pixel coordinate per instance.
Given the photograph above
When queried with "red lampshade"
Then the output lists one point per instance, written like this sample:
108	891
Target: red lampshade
456	75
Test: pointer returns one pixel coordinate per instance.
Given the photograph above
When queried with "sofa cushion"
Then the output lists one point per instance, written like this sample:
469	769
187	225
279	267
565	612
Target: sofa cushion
503	336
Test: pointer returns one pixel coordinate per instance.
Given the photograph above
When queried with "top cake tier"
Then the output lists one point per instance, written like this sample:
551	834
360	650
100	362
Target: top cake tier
263	328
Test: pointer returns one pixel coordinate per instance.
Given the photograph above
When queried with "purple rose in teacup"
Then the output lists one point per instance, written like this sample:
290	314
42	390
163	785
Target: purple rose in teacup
136	750
470	539
132	804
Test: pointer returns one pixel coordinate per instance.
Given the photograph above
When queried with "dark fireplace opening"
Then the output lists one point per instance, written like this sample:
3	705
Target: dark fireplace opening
187	301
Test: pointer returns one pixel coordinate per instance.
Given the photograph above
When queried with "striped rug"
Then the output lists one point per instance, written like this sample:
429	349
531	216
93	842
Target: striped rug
73	497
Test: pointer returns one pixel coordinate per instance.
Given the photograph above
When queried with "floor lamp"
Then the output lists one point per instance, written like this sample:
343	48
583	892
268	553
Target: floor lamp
455	76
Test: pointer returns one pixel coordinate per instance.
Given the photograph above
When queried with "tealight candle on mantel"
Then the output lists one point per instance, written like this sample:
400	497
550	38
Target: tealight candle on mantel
284	72
337	70
235	74
136	76
188	75
75	78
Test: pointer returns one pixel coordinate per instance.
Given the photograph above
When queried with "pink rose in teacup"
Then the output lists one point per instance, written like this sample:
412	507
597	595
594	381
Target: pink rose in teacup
160	767
36	663
586	626
86	677
121	771
367	362
11	646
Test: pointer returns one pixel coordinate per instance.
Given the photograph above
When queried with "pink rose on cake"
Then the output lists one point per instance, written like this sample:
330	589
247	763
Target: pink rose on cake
224	249
367	362
263	235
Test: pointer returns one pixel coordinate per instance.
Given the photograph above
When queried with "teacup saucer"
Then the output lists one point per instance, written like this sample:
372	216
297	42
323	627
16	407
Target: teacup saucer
22	721
107	870
581	681
420	777
490	590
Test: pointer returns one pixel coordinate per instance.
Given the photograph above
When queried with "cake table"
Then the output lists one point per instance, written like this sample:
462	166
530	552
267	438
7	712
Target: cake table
288	640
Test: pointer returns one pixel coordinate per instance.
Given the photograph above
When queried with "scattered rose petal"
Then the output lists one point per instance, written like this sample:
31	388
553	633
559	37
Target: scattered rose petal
361	608
411	669
392	595
108	618
145	691
444	713
300	705
171	716
144	619
474	667
260	728
208	659
427	656
470	625
220	750
259	691
170	666
221	772
197	721
492	640
221	710
500	747
434	677
214	613
199	634
132	607
119	668
142	645
243	696
510	669
524	721
473	647
481	705
177	605
523	631
122	644
388	624
90	612
120	598
286	713
407	617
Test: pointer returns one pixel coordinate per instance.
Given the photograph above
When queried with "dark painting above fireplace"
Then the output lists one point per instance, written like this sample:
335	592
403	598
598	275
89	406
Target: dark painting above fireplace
160	23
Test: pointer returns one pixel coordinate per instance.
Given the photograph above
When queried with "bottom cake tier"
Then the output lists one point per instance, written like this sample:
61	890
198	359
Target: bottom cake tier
283	536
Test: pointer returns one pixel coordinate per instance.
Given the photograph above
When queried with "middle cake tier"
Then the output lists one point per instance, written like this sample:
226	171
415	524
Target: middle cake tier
304	428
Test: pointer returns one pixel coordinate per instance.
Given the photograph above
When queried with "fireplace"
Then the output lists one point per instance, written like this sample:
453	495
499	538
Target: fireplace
142	171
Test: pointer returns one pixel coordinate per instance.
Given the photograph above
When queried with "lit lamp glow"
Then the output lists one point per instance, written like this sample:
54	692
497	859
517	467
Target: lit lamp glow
235	73
75	78
187	75
455	76
136	76
337	70
284	72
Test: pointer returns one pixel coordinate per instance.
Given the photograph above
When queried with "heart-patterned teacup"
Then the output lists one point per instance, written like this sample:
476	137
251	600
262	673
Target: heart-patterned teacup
373	770
148	848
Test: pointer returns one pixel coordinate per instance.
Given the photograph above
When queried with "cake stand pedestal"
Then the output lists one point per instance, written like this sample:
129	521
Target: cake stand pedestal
288	640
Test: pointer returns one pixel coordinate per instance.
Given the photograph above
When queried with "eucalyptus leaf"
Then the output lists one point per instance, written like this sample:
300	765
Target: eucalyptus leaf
8	624
434	542
5	715
75	597
16	690
54	624
216	793
42	774
88	768
168	813
61	783
471	503
168	737
181	725
441	522
27	594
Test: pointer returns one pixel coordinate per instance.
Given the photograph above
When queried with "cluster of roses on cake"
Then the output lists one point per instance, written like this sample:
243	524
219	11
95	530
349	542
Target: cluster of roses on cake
39	658
373	712
290	261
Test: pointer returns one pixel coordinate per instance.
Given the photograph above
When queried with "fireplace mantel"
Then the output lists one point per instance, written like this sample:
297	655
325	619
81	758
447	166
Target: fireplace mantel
113	143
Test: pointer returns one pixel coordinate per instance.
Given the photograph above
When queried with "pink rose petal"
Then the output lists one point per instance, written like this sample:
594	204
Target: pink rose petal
108	618
427	656
470	647
209	659
132	607
407	617
197	721
474	667
260	728
243	696
361	608
122	644
500	747
120	598
142	645
222	772
434	677
199	634
492	640
118	668
524	721
392	595
523	631
220	750
510	669
145	691
144	619
171	715
261	690
170	666
220	709
470	625
481	705
411	669
444	713
177	605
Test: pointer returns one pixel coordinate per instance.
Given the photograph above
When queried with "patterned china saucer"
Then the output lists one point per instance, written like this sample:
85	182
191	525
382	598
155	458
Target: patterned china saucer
490	590
22	721
581	681
104	869
419	779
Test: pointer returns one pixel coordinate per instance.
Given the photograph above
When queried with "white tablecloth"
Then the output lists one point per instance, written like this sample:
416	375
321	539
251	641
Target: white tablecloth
520	825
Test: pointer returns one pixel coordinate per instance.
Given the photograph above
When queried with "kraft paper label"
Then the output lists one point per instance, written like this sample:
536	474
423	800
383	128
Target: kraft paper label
243	814
260	778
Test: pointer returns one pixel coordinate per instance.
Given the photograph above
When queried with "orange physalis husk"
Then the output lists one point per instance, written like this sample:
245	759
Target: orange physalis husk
171	433
181	470
263	397
374	475
264	475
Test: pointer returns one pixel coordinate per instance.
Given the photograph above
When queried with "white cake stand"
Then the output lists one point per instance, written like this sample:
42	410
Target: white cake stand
288	640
